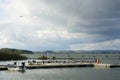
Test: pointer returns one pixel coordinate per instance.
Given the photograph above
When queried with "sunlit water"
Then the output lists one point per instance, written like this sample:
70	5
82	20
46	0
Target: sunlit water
68	73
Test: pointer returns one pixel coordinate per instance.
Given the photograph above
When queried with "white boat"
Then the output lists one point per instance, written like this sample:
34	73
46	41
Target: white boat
14	67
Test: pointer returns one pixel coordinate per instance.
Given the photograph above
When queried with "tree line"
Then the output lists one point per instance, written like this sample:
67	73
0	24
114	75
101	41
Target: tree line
11	54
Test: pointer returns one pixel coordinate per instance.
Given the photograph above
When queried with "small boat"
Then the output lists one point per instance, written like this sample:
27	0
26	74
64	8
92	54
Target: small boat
14	67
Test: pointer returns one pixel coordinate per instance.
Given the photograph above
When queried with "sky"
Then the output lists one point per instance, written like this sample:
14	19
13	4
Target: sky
60	24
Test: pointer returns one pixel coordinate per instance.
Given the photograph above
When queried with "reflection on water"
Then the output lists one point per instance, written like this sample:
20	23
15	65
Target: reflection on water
63	74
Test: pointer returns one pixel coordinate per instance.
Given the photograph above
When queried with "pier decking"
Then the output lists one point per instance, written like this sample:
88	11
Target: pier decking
3	67
58	66
68	65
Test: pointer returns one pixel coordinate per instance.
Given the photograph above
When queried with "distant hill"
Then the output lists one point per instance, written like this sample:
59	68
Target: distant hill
12	54
80	52
100	51
10	50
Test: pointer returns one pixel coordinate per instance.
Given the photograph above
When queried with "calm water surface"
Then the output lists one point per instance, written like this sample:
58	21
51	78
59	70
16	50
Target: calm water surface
68	73
64	74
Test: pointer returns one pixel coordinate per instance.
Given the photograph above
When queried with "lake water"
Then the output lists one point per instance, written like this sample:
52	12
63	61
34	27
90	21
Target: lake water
64	74
68	73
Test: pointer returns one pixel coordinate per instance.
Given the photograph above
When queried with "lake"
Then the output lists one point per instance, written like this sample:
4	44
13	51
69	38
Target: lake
84	73
64	74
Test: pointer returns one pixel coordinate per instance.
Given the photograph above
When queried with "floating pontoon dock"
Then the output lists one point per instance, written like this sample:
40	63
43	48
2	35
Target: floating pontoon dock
65	65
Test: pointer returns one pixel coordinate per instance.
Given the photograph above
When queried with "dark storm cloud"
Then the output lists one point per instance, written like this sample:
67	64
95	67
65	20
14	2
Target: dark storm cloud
101	17
88	9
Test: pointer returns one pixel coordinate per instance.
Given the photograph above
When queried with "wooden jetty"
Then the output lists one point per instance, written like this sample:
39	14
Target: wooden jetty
3	67
106	65
58	66
68	65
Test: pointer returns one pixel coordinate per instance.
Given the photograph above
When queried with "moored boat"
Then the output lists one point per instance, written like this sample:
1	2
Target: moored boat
14	67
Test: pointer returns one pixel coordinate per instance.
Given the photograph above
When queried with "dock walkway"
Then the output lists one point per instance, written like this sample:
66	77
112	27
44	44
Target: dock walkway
68	65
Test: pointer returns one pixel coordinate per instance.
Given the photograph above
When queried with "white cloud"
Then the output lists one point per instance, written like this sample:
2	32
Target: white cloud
106	45
46	34
51	24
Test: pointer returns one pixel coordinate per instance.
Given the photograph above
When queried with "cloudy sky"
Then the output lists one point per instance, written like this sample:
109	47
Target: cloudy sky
60	24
